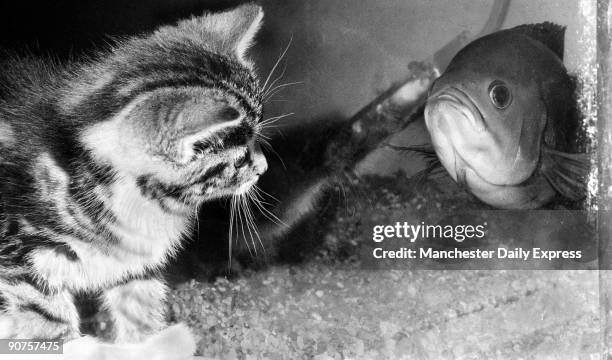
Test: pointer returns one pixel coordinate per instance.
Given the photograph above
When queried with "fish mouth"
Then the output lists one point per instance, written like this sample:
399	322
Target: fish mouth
460	168
462	102
453	119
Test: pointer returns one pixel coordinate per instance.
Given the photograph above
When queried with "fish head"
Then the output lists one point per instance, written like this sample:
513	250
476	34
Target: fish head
487	113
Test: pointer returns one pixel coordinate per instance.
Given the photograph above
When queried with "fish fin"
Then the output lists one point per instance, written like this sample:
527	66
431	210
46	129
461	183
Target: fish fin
433	165
433	169
567	173
425	150
550	34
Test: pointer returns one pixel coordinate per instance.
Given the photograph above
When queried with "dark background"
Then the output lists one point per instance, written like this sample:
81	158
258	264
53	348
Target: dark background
343	52
69	27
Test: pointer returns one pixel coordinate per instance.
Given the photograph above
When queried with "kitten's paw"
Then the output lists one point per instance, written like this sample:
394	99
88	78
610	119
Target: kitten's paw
173	343
85	348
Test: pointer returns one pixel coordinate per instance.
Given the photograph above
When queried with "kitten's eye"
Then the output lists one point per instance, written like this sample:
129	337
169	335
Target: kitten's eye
200	147
241	162
500	95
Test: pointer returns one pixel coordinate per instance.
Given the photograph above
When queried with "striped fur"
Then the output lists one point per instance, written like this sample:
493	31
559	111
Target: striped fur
104	163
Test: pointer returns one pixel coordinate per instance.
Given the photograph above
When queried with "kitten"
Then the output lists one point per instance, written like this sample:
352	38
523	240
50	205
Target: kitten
104	163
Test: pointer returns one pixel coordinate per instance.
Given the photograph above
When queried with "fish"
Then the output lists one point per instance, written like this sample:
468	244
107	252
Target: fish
502	120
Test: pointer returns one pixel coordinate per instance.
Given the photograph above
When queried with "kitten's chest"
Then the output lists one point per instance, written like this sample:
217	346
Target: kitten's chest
142	227
140	239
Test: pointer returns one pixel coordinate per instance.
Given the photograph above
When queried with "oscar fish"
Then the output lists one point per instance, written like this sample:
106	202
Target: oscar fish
502	119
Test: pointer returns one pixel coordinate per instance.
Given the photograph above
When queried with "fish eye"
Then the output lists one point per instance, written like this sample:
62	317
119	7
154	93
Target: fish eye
500	94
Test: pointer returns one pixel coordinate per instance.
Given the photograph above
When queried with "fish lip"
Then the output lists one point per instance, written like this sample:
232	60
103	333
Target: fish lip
462	102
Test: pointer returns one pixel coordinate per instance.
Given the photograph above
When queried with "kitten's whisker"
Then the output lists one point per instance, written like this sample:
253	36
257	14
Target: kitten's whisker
239	208
263	136
231	229
257	197
267	214
267	127
260	196
275	80
252	217
278	90
266	193
273	91
248	220
261	205
268	146
261	201
197	218
264	142
274	119
280	58
247	224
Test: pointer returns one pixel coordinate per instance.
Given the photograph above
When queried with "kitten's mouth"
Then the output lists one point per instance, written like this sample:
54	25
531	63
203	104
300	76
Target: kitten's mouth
176	206
209	194
182	199
244	188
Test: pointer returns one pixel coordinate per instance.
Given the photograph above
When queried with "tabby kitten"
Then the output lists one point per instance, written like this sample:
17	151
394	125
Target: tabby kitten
103	165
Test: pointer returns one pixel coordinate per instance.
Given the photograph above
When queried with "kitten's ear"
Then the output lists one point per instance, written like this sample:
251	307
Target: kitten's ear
237	27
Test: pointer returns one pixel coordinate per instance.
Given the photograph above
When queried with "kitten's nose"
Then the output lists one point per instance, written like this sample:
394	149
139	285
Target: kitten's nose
261	165
259	160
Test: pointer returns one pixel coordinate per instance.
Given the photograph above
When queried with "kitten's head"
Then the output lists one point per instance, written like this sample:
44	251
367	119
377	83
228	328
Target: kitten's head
177	112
